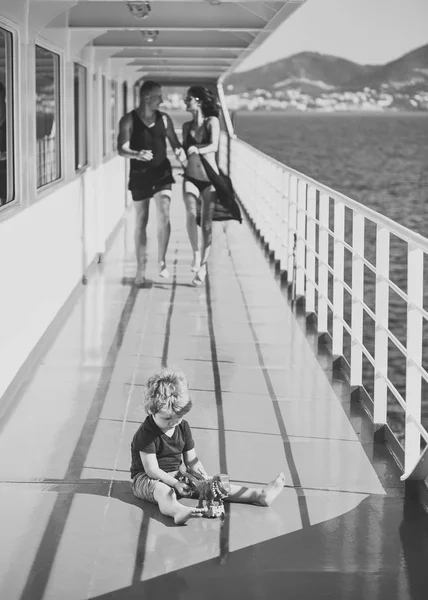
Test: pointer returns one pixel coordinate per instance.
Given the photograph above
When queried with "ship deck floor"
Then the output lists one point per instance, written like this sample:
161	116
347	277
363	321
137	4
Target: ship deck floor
265	401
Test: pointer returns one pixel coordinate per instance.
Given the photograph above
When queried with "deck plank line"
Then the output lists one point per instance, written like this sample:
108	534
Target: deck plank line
303	506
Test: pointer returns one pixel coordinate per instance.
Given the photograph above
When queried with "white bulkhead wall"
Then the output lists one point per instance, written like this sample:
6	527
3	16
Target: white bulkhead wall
51	235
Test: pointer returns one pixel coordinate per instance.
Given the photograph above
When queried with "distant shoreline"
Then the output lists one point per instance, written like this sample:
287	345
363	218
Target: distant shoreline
372	113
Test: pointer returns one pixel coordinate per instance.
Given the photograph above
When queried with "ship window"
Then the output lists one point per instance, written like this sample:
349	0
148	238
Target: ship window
104	114
7	191
47	117
80	117
113	114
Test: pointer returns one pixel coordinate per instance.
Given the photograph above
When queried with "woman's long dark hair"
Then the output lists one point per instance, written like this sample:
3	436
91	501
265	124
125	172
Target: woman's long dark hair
209	103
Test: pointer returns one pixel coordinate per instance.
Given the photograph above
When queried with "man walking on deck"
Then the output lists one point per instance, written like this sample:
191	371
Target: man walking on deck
142	138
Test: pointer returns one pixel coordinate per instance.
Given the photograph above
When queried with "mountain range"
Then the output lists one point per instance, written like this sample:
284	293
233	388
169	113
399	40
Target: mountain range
316	74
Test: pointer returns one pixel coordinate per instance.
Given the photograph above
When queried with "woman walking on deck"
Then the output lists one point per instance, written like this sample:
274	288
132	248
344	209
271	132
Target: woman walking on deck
201	137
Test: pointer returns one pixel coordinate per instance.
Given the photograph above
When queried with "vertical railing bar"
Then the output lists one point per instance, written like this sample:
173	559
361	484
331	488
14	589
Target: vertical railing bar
324	208
356	375
301	235
310	256
338	267
415	292
380	395
284	221
292	221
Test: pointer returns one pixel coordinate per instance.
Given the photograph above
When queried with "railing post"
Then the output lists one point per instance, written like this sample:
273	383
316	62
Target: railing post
322	321
338	266
381	329
301	238
415	290
292	222
310	249
356	374
285	199
279	192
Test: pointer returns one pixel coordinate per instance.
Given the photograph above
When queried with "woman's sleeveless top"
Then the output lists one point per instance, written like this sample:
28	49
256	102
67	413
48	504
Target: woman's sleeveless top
148	138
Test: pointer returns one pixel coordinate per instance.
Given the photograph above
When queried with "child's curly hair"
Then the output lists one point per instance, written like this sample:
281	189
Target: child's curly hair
209	104
167	391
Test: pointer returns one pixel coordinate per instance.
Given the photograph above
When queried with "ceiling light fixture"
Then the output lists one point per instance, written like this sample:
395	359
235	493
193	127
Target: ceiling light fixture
149	35
140	10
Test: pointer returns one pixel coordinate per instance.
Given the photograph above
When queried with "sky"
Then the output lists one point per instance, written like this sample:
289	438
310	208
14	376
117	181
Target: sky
364	31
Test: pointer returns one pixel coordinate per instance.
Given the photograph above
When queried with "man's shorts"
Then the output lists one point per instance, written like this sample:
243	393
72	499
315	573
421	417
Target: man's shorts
145	184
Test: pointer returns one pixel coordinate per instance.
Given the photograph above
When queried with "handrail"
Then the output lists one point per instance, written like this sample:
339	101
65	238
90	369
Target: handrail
397	229
293	213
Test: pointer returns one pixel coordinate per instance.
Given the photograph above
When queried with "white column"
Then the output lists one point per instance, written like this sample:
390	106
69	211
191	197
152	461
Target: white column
415	288
310	256
358	223
322	263
338	258
381	329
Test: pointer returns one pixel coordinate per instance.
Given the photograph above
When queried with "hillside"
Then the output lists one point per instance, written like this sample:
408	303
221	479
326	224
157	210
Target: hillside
315	74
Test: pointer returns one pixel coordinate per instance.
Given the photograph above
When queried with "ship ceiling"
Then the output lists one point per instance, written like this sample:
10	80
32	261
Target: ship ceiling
180	41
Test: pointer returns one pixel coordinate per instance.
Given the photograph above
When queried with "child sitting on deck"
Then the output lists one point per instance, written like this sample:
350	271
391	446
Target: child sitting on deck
163	439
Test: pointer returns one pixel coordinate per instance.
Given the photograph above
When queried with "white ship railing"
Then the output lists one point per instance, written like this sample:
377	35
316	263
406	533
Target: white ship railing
294	214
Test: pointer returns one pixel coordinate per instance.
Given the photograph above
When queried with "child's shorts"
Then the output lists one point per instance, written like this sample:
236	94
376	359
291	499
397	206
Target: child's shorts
143	487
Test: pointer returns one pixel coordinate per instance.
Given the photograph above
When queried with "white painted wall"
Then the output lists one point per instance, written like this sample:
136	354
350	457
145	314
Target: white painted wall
49	237
45	250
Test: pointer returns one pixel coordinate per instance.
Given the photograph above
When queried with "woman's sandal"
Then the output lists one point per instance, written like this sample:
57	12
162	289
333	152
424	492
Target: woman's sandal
163	271
196	263
199	278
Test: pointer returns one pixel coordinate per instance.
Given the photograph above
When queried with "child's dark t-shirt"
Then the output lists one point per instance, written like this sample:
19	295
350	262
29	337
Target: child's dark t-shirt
149	438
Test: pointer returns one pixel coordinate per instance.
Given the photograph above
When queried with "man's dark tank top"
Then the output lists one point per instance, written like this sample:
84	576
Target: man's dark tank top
148	138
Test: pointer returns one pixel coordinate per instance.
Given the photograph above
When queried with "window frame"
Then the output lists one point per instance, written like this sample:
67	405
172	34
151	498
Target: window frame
60	88
124	89
83	167
114	115
104	117
12	113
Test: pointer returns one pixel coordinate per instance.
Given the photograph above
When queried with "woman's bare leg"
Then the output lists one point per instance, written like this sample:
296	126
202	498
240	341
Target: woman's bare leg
207	210
263	496
190	202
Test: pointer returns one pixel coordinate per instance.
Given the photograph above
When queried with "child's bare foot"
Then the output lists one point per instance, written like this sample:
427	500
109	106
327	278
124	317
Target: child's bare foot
183	514
271	491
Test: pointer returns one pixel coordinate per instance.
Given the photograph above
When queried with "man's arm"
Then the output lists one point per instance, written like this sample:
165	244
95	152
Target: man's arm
173	140
124	139
170	133
194	464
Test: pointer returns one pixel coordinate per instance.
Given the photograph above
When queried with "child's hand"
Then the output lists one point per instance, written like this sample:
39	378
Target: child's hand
182	488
